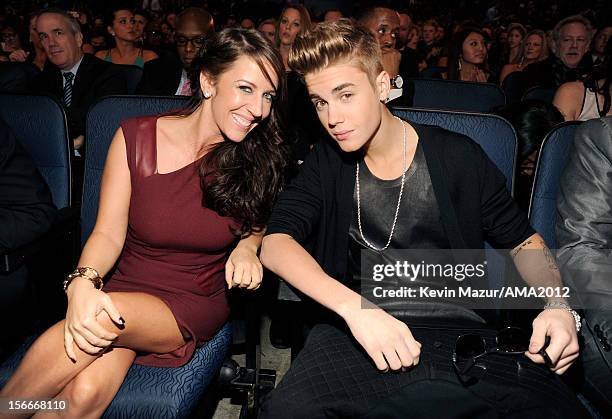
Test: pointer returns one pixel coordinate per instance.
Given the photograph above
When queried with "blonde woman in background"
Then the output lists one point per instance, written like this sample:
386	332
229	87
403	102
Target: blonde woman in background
534	48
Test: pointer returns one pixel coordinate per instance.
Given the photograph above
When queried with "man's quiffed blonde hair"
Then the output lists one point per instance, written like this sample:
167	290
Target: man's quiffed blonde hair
330	43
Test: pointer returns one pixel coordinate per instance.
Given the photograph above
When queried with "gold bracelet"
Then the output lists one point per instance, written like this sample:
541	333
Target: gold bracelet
84	272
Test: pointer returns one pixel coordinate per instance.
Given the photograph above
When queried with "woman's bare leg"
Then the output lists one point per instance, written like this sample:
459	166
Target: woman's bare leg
93	389
46	369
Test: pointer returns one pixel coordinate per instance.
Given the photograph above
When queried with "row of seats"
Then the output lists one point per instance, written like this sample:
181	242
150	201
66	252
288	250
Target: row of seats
473	97
438	94
161	392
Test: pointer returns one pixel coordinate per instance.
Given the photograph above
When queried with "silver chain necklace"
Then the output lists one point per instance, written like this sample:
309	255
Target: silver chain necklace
399	200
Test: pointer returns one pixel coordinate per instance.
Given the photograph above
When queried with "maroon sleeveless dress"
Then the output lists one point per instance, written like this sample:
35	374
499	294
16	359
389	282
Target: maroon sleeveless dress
175	248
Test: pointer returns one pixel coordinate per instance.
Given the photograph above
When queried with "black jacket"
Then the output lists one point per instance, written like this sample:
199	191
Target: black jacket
474	203
15	77
95	79
160	77
26	209
552	73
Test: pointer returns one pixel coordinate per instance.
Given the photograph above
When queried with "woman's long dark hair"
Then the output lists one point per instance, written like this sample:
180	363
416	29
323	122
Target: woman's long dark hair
242	179
455	51
602	72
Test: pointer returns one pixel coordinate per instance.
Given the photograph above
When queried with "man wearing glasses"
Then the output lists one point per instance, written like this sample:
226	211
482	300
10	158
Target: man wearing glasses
170	76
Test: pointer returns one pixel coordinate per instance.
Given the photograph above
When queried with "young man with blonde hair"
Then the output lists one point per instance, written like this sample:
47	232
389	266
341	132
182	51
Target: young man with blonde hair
380	185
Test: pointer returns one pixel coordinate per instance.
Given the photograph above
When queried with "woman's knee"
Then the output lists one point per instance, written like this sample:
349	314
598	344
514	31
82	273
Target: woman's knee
149	324
84	395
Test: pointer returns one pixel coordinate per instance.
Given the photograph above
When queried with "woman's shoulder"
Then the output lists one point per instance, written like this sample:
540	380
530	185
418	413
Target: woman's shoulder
573	86
102	53
148	55
568	99
139	127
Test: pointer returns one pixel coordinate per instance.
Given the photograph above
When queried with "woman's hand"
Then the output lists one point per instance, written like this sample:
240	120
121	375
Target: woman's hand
387	340
243	268
480	76
18	55
82	328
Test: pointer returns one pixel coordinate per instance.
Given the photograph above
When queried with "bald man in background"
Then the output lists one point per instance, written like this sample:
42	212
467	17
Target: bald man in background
170	76
404	31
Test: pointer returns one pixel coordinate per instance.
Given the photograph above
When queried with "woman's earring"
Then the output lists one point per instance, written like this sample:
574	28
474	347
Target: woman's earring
113	33
459	66
206	95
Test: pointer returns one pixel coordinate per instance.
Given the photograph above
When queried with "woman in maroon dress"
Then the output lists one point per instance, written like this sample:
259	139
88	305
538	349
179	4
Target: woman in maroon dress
178	193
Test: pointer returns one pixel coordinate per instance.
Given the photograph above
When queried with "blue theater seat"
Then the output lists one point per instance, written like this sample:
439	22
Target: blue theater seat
554	156
39	122
456	95
155	392
498	140
147	392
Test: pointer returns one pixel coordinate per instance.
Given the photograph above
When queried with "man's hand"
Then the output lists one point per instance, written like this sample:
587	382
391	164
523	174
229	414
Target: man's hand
435	51
391	60
563	350
78	142
387	340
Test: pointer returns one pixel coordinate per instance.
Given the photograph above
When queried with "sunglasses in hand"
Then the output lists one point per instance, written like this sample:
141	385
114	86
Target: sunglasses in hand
471	347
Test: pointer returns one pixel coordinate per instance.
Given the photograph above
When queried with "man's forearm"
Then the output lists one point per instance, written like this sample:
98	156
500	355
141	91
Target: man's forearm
537	266
287	258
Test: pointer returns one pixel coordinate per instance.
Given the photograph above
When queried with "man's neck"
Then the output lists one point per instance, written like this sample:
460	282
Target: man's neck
565	65
384	152
75	66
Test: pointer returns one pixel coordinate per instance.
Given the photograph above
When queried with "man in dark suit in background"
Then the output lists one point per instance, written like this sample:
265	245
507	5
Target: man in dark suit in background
169	76
77	80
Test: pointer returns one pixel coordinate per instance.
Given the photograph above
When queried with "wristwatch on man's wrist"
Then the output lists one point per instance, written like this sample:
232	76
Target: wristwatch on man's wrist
564	306
397	82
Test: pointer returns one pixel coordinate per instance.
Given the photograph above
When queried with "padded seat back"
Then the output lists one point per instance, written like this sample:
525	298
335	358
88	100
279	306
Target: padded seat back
494	134
554	156
456	95
39	122
103	120
498	140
